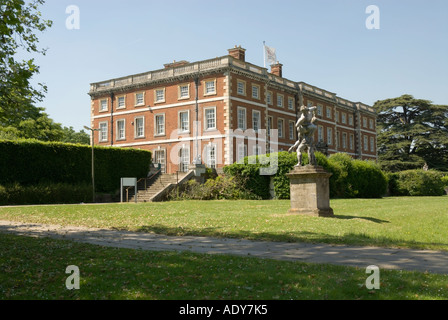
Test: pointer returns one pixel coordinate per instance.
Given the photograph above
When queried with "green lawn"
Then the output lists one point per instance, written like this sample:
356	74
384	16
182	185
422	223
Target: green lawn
412	222
35	269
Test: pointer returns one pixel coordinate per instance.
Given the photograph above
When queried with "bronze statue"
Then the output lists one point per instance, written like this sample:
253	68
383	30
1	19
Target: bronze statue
305	135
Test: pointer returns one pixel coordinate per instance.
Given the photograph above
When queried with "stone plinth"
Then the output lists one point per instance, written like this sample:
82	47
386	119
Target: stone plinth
310	191
199	169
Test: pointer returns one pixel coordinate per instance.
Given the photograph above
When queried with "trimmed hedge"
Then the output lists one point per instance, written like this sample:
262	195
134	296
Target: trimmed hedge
45	193
31	162
350	177
417	182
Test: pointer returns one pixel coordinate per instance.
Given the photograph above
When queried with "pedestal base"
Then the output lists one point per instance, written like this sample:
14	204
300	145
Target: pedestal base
199	169
310	191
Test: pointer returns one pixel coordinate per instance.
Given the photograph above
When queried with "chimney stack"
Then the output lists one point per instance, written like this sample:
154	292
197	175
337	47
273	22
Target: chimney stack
238	53
276	69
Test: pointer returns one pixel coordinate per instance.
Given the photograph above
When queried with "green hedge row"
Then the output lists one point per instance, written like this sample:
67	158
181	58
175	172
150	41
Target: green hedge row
417	182
32	162
45	193
350	177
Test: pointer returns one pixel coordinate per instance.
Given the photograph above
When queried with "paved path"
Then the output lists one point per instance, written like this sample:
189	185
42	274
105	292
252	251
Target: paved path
401	259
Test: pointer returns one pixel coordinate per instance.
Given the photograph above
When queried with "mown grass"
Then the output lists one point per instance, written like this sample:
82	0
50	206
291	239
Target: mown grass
34	268
409	222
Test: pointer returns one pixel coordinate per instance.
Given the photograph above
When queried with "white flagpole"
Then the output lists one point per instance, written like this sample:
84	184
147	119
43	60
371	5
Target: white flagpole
264	53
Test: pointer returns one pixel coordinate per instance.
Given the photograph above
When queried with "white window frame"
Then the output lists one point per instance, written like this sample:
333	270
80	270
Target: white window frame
352	142
124	102
344	118
269	99
281	127
344	140
158	99
319	110
106	108
291	103
136	127
366	142
157	158
320	133
256	126
280	100
241	152
372	144
206	92
256	91
187	96
137	104
256	150
241	87
364	122
329	136
119	137
241	119
292	130
180	122
103	135
328	112
350	119
184	158
270	122
371	126
156	126
206	127
209	160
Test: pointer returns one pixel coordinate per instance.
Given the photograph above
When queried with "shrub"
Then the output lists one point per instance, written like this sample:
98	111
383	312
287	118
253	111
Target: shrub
357	178
367	180
445	181
221	187
416	182
250	178
350	177
32	162
45	193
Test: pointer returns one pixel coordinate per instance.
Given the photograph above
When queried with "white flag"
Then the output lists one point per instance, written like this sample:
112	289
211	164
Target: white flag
270	55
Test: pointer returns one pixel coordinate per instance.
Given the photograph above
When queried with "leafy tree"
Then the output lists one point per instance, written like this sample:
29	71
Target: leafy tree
71	136
18	23
412	132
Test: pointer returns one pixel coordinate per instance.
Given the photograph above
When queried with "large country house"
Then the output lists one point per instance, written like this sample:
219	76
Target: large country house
221	110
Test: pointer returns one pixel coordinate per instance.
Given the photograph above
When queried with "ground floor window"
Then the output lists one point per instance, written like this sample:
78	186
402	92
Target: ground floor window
184	159
210	156
160	158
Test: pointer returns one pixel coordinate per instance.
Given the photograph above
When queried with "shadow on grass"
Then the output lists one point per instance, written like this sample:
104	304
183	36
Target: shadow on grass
354	239
338	216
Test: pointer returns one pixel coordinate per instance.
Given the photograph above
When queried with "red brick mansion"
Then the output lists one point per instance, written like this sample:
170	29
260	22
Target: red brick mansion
222	109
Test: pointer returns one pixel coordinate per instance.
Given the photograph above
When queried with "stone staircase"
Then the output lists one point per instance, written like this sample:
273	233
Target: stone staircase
157	187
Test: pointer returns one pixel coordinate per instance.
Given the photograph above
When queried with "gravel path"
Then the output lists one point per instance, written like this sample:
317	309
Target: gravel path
398	259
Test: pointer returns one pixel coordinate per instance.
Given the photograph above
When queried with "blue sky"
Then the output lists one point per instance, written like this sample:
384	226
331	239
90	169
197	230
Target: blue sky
322	42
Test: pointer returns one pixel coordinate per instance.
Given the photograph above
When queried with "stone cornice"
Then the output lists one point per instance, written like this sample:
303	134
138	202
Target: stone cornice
222	65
